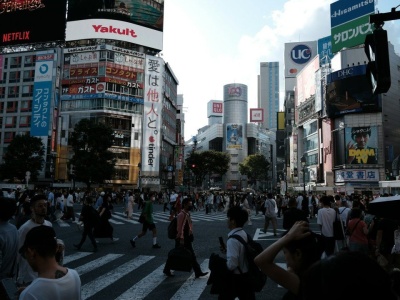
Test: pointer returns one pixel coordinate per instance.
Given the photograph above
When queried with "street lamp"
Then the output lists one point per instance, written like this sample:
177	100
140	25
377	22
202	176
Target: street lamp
303	165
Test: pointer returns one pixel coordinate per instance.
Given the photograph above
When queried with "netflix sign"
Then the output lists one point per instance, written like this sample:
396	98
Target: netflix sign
27	22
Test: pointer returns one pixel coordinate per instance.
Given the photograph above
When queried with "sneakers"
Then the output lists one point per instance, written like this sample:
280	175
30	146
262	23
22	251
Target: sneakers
133	243
201	274
156	246
168	273
115	239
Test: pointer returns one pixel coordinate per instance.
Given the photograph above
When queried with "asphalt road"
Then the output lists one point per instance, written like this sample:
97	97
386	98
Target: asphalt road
118	271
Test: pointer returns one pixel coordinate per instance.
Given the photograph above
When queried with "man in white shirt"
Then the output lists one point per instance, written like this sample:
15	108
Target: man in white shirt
326	217
53	281
299	201
236	260
39	211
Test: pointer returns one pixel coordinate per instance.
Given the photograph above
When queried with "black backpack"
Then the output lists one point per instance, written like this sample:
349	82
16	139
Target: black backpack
173	229
252	249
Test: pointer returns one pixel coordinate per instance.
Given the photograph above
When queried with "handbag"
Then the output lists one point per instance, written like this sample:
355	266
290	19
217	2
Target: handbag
180	259
141	218
338	232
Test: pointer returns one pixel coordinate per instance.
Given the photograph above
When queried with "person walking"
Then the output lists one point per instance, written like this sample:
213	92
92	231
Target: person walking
39	212
8	238
270	213
104	229
70	213
53	281
130	205
293	214
148	223
185	237
245	205
325	218
236	260
90	218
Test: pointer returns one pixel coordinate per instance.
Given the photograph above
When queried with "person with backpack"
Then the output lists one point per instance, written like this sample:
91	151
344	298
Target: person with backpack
184	238
90	218
301	248
240	284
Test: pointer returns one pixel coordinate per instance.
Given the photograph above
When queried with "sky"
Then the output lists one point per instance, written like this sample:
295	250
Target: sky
211	43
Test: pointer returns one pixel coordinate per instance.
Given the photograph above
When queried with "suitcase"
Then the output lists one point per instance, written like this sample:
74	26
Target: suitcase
180	259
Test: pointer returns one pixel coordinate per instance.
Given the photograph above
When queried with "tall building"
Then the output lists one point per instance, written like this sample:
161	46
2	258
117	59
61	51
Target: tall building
268	93
108	70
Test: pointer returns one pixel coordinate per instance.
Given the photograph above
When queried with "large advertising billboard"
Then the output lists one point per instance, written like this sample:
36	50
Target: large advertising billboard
305	81
42	95
350	23
234	136
361	145
257	115
348	91
28	22
297	55
215	108
151	149
149	14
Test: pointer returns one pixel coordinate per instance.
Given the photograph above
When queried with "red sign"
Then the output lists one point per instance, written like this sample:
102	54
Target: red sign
217	108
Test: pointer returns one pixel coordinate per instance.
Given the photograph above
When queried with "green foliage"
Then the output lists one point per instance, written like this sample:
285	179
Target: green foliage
255	166
92	160
24	153
208	162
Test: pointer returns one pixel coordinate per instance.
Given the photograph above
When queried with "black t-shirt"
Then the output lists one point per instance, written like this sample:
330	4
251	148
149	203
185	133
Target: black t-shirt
292	215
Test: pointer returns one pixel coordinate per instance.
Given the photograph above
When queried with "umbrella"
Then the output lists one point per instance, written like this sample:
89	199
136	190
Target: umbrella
386	207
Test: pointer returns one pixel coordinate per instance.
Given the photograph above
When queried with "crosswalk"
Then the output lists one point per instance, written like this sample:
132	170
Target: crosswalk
119	218
123	266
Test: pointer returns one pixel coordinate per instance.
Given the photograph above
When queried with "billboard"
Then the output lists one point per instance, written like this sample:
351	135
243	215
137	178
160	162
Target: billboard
42	95
363	175
215	108
325	50
361	145
234	136
351	34
305	81
348	91
28	22
149	14
281	121
297	55
345	11
151	143
257	115
114	30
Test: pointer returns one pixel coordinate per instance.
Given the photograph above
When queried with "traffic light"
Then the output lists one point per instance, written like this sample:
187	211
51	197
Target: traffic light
378	68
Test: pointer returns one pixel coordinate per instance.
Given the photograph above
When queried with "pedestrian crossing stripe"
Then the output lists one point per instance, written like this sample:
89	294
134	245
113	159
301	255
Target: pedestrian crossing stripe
192	288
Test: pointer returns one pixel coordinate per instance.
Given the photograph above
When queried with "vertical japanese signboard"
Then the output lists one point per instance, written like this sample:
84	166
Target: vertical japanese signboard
151	143
42	94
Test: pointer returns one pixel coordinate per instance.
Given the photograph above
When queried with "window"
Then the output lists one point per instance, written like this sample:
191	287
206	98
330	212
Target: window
29	61
10	122
28	75
15	62
26	105
8	137
13	92
24	121
12	106
2	92
4	78
27	90
14	77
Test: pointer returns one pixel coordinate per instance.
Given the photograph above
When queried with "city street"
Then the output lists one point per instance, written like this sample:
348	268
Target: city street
117	271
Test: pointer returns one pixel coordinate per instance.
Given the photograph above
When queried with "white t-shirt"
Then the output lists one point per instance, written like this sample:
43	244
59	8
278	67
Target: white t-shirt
67	287
270	208
326	217
25	272
299	201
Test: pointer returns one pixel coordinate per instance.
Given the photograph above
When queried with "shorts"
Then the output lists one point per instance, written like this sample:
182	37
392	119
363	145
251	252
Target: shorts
149	226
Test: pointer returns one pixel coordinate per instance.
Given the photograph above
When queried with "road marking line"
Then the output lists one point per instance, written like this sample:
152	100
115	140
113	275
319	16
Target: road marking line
141	289
100	283
94	264
75	256
193	287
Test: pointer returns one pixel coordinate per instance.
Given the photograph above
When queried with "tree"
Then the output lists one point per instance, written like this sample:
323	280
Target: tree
92	161
24	153
255	166
207	163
